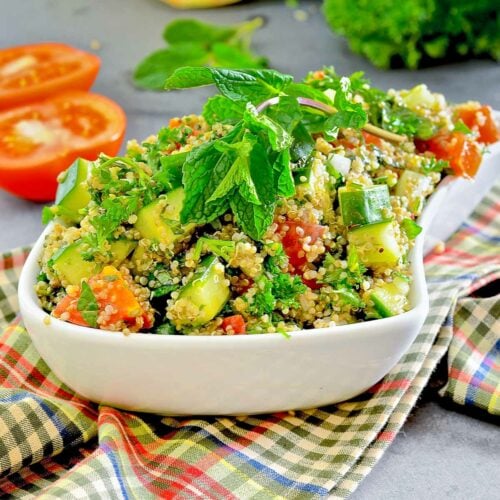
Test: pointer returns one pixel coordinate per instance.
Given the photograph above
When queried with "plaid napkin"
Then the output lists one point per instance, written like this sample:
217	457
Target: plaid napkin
55	444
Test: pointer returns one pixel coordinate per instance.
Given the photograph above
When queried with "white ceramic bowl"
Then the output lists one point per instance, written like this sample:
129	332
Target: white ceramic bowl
183	375
243	374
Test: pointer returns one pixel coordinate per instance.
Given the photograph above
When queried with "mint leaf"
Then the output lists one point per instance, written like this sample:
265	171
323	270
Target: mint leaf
302	147
152	71
204	168
251	85
238	176
220	109
303	90
188	77
87	305
278	138
197	44
230	56
287	112
284	183
253	218
180	30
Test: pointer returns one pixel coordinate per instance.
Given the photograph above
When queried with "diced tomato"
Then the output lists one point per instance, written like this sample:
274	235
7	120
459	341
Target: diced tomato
294	234
235	323
174	123
40	140
32	72
344	142
479	119
371	139
463	153
68	305
110	289
293	237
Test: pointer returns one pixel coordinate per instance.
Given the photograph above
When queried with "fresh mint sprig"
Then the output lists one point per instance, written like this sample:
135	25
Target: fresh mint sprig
195	43
249	169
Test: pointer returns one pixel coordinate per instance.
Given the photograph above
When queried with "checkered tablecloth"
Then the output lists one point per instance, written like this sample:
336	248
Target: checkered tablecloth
55	444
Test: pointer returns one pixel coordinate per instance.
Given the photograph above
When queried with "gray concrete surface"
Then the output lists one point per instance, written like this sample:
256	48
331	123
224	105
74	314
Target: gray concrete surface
439	453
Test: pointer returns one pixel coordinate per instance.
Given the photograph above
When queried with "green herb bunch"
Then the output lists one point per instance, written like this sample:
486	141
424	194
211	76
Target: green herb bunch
250	168
194	43
417	32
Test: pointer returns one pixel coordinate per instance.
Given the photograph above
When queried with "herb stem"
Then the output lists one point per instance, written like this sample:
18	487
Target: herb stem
311	103
246	29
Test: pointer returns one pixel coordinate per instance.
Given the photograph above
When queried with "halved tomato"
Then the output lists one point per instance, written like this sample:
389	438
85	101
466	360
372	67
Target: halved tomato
41	139
29	73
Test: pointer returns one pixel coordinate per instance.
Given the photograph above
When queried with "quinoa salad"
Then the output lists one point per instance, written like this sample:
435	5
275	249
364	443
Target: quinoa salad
284	206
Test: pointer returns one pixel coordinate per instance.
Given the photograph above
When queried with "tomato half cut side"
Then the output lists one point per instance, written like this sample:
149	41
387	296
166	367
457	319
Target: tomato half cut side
30	73
39	140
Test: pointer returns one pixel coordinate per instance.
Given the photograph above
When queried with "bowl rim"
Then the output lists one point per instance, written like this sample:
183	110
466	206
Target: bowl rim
419	300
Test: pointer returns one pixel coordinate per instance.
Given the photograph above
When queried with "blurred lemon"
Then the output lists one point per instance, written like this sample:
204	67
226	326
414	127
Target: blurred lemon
198	4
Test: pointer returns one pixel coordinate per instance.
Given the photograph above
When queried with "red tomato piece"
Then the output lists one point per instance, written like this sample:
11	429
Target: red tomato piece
235	323
480	120
110	289
371	139
39	140
463	153
68	305
32	72
294	234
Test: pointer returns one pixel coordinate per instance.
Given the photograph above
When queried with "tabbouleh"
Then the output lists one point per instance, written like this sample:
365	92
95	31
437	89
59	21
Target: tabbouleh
256	219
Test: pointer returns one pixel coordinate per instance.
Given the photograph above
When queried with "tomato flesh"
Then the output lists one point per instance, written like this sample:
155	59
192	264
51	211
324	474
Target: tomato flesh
69	305
110	289
372	139
235	323
39	140
293	237
480	120
32	72
462	153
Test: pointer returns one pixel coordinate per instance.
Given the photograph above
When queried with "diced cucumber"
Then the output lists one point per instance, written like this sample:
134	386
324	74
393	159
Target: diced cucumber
364	206
160	221
390	299
120	250
71	267
204	296
376	244
73	193
415	187
419	97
